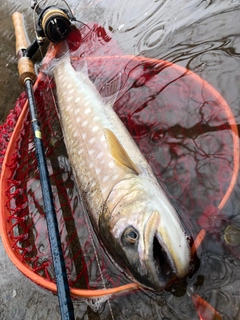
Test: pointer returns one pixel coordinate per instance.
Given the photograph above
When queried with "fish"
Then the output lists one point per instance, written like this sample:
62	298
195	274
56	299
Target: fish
128	209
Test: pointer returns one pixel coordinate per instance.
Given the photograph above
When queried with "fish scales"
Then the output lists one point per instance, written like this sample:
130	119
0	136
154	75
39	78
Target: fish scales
129	209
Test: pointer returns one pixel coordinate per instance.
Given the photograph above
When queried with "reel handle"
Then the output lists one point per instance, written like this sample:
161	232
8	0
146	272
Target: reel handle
25	65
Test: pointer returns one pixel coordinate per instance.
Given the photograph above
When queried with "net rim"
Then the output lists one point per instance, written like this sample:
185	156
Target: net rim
4	213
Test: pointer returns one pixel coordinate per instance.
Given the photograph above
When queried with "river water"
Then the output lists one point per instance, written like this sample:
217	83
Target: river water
202	36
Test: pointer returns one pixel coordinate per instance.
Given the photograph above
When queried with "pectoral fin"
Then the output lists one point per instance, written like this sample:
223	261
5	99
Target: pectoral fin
118	152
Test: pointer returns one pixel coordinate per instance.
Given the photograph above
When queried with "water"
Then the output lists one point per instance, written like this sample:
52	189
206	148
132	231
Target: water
202	36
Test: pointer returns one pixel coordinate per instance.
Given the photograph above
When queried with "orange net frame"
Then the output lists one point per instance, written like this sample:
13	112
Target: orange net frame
23	225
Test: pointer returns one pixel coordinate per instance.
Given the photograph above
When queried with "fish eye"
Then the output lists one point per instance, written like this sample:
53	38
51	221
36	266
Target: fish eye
130	236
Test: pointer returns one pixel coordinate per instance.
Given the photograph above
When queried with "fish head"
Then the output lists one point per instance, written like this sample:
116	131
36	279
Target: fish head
145	237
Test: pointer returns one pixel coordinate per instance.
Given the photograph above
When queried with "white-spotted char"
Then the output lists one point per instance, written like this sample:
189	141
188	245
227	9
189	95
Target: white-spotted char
128	208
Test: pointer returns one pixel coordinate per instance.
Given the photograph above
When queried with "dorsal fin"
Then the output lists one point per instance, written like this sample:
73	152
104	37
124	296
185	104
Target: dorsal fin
118	152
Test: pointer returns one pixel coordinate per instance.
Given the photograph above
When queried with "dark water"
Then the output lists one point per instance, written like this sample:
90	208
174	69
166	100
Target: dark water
202	36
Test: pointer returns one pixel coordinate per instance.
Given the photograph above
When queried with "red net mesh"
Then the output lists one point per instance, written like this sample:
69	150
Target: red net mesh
6	129
181	125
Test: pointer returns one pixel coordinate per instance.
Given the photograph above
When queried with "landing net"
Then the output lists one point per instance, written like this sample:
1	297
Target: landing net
155	96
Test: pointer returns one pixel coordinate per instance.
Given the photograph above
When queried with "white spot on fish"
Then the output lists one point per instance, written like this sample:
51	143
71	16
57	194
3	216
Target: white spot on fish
93	184
77	111
105	178
77	100
92	140
105	189
98	170
84	135
99	156
87	111
116	176
80	151
102	138
96	119
111	164
85	122
95	128
91	152
75	134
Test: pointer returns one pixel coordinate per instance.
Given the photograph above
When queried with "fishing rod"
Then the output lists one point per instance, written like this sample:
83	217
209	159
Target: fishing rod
27	76
25	50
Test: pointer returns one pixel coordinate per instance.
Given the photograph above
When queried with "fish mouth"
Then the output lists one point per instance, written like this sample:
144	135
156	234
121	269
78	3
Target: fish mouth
167	254
164	266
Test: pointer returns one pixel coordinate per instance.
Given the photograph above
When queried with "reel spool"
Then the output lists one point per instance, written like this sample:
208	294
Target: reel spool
54	24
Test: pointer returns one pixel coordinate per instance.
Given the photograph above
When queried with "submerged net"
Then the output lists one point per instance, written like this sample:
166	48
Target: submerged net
183	127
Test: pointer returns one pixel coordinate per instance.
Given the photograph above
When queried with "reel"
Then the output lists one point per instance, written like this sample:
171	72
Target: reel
52	23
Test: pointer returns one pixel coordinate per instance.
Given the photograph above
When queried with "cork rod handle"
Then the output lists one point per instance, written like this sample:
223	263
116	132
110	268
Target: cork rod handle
25	65
20	33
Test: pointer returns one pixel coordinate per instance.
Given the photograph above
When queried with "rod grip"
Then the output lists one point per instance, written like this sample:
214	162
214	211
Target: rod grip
26	70
22	41
25	65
